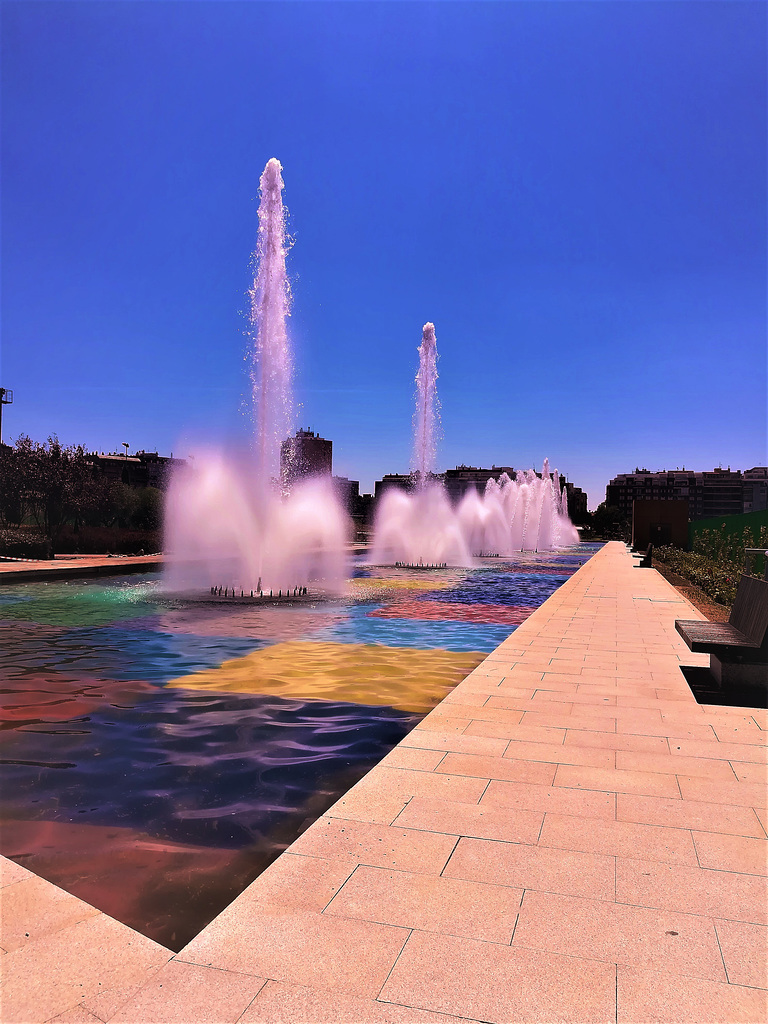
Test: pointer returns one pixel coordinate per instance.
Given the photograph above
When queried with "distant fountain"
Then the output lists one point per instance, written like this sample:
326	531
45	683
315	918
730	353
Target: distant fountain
426	419
421	527
229	520
529	513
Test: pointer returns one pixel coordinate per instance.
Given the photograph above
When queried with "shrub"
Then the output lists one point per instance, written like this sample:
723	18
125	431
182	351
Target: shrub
718	579
21	543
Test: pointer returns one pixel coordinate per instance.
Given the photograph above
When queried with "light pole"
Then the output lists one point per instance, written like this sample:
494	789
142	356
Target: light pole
6	398
125	445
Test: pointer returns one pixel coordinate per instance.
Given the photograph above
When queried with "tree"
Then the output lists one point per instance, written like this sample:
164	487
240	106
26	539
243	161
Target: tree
43	481
610	523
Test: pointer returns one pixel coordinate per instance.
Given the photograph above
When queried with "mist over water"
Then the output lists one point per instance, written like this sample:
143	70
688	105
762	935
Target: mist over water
228	521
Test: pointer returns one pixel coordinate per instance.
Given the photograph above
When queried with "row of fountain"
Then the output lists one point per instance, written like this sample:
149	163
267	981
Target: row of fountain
230	519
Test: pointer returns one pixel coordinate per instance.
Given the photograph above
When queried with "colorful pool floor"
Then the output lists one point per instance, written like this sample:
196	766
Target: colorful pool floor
568	836
159	754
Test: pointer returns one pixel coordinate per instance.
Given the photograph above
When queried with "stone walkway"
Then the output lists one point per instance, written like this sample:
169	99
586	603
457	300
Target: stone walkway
567	837
75	567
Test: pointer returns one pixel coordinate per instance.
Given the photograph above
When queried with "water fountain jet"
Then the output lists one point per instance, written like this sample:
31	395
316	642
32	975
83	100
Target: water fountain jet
228	520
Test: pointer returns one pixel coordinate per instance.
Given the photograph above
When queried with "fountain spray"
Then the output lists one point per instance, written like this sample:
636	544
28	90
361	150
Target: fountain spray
227	522
426	421
271	358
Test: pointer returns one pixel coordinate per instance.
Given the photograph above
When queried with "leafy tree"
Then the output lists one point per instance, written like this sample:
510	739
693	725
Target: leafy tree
148	514
610	523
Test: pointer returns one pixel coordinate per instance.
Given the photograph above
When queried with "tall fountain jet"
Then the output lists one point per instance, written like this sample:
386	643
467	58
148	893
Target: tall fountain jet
271	357
426	418
527	513
421	528
228	522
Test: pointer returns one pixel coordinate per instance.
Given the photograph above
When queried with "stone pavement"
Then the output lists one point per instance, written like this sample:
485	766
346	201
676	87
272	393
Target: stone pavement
75	566
567	837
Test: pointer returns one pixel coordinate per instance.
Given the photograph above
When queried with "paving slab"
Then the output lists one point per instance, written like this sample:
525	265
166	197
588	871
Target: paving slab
567	837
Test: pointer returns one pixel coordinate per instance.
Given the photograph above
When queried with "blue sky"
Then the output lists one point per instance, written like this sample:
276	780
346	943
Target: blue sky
573	192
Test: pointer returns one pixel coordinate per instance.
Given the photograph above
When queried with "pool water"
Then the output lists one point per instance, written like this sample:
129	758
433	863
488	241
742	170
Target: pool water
157	757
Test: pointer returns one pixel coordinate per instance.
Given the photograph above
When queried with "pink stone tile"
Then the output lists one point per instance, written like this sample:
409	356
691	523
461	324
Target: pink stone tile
693	814
558	753
557	720
510	687
414	757
524	796
11	872
745	952
34	907
748	752
674	764
300	947
438	723
618	839
615	781
490	982
482	821
738	794
580	697
533	867
616	741
76	1015
476	766
746	731
688	732
386	846
381	794
180	993
692	890
636	716
465	698
754	773
451	906
653	997
515	732
301	883
668	696
279	1003
455	742
97	964
503	716
762	816
634	936
504	703
731	853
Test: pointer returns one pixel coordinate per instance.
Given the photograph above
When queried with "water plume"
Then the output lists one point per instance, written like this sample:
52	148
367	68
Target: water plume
421	527
228	521
426	424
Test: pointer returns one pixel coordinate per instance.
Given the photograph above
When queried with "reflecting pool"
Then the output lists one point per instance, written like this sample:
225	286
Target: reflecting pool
157	757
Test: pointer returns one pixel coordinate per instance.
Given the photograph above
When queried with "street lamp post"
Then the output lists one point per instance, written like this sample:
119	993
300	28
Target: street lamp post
125	445
6	398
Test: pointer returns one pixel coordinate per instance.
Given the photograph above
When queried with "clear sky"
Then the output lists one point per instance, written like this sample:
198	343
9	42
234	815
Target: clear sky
573	192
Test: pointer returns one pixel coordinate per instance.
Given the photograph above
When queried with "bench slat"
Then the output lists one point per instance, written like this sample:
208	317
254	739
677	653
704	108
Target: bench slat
703	635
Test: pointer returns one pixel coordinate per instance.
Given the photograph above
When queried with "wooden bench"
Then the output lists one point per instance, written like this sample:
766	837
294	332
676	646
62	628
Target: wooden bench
646	560
738	648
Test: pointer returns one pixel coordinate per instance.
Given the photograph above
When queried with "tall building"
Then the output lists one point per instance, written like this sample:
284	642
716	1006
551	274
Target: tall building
719	492
144	469
305	454
466	478
755	489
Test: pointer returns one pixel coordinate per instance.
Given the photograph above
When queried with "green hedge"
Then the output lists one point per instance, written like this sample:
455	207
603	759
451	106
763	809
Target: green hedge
719	580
